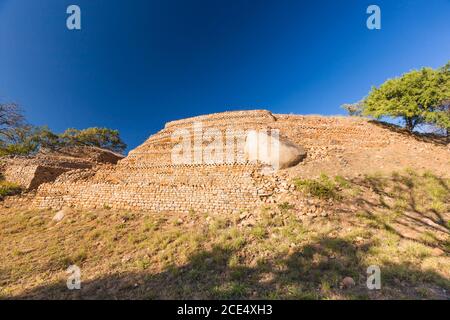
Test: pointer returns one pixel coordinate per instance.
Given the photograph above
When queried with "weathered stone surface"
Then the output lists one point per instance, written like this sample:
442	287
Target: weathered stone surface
47	166
278	152
347	283
290	154
60	215
147	179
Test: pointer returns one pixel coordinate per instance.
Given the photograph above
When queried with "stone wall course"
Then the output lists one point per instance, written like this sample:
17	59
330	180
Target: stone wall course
147	180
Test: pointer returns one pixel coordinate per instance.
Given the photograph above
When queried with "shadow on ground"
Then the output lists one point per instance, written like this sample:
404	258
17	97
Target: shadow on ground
424	137
311	272
412	215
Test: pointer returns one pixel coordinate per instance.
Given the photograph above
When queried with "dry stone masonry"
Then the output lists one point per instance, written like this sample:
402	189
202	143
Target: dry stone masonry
147	179
46	166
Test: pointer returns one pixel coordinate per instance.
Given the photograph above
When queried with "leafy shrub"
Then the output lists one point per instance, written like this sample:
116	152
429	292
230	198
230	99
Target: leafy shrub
9	189
323	187
342	182
286	206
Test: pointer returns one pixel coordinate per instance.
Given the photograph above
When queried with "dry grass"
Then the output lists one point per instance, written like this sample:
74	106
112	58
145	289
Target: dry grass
8	189
400	223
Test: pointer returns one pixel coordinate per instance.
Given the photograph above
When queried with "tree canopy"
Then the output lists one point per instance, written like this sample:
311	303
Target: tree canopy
11	117
97	137
417	97
19	138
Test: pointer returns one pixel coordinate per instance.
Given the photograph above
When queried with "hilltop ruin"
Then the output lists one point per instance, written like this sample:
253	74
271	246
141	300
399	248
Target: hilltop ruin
147	179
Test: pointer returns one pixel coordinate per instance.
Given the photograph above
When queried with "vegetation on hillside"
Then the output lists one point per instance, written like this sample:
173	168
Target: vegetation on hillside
398	222
17	137
417	97
323	187
8	189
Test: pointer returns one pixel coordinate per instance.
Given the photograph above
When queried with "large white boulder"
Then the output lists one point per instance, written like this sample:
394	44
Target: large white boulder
270	149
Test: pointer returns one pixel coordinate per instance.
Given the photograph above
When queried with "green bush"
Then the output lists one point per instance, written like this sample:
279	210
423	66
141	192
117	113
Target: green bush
323	187
9	189
342	182
285	206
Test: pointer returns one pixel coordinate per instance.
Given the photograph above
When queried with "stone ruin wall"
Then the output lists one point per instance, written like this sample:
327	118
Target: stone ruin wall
156	151
30	174
20	174
211	188
313	131
147	180
47	166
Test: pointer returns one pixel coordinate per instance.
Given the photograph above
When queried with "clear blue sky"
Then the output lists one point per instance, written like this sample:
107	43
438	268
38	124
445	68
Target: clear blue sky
137	64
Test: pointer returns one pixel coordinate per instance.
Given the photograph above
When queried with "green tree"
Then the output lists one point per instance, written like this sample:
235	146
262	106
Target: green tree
20	140
441	116
11	117
16	136
419	96
98	137
45	138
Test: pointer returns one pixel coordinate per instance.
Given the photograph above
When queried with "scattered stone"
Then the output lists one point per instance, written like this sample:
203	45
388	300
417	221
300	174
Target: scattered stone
126	259
437	252
243	215
248	223
347	283
60	215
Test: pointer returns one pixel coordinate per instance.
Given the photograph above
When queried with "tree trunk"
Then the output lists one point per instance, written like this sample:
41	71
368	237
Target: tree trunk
409	124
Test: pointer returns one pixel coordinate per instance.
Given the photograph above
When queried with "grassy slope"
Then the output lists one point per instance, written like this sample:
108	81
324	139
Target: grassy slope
399	222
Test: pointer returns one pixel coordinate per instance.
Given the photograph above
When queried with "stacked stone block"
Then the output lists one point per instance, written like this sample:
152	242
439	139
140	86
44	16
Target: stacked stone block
147	179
